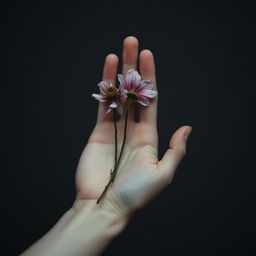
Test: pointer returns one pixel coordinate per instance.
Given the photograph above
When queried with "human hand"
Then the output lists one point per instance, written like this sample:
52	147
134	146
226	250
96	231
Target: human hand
87	228
140	175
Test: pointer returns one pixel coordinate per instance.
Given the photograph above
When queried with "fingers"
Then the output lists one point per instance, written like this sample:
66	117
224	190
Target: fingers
130	59
147	71
175	153
109	75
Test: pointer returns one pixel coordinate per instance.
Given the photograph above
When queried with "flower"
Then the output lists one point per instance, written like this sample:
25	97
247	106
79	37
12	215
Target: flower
137	89
112	96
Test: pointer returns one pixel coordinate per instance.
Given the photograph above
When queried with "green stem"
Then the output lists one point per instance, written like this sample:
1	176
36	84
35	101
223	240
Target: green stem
104	191
115	160
113	173
115	138
124	139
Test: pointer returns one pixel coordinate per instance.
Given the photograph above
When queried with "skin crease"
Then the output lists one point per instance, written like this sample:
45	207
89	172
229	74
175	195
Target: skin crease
87	228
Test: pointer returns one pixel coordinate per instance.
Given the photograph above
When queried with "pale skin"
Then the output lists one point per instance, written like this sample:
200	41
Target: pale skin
87	228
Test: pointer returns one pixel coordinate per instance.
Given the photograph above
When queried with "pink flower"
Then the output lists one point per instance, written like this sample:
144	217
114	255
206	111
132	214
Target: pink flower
112	96
137	89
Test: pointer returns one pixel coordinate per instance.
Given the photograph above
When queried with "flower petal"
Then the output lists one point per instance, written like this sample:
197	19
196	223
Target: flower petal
148	93
108	109
103	85
99	97
121	81
113	104
122	95
119	108
143	101
132	79
145	84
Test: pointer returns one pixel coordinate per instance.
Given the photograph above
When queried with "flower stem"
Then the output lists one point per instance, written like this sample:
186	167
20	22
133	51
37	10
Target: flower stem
124	139
104	191
114	112
113	173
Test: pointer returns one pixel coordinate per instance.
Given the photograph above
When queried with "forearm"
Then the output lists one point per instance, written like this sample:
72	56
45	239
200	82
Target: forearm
85	229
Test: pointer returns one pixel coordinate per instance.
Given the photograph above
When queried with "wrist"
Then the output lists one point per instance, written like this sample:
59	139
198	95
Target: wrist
88	214
90	227
85	229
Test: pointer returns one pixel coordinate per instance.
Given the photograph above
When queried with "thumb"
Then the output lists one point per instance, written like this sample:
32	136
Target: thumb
175	153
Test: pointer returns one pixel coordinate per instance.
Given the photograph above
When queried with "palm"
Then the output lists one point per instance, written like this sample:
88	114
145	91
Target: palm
137	167
140	176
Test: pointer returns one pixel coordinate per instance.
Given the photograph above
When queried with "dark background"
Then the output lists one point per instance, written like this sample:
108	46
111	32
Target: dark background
205	57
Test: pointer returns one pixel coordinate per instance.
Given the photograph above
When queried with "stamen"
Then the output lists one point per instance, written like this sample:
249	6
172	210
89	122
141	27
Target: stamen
111	91
131	94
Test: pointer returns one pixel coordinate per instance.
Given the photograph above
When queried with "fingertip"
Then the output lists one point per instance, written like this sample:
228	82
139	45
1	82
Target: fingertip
131	41
146	53
180	136
187	132
111	58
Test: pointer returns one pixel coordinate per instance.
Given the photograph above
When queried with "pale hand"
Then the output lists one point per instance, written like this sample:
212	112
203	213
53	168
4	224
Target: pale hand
140	175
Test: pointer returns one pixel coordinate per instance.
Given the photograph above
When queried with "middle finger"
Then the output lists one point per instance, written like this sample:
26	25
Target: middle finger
130	58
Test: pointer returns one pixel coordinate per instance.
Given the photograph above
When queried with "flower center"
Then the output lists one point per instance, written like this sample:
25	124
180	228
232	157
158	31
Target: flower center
131	94
111	91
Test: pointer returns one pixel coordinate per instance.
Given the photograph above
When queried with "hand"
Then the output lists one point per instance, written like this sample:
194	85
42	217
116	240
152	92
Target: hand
140	175
87	228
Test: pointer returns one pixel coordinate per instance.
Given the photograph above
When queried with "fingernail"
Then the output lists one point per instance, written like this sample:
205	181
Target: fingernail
187	132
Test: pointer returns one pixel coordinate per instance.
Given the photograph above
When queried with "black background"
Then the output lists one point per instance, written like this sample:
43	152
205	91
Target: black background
205	71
